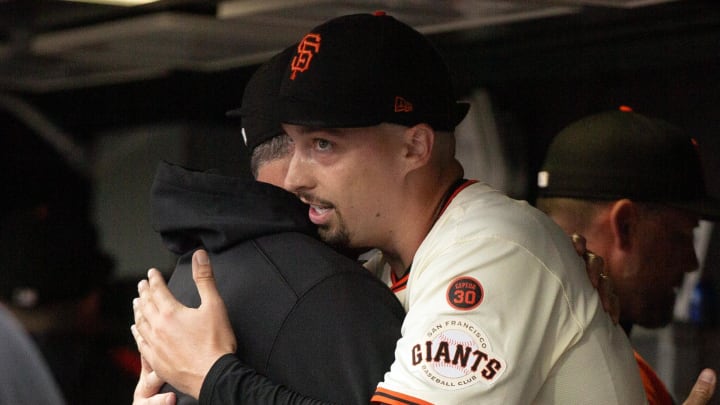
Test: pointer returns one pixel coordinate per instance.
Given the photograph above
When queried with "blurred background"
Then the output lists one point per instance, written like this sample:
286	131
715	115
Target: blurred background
94	94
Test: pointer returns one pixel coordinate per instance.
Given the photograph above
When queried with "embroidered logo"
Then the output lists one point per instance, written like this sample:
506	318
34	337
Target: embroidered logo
309	46
457	354
464	293
402	105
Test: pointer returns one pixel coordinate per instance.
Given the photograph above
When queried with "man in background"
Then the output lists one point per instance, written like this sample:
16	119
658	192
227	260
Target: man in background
24	376
633	186
53	280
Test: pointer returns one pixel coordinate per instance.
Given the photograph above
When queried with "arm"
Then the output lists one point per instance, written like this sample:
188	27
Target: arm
340	348
247	387
341	351
525	321
229	381
483	326
167	333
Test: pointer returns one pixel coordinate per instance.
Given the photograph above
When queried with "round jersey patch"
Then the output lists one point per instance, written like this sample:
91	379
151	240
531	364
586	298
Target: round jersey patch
464	293
456	355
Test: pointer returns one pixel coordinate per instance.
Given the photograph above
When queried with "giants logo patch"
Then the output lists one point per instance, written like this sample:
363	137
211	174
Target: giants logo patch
464	293
309	46
456	355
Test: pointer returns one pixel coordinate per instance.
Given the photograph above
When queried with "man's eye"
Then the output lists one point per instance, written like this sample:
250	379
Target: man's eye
323	144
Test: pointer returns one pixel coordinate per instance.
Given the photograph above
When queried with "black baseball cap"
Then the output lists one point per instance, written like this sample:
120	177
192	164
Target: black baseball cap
259	109
365	69
623	154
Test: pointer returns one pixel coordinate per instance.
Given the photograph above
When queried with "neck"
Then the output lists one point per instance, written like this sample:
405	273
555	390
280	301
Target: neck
419	213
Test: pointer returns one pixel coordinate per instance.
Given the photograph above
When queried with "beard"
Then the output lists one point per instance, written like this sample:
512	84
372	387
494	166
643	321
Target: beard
336	236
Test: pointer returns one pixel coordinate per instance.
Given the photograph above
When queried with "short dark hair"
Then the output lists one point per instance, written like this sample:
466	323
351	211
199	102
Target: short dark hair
274	148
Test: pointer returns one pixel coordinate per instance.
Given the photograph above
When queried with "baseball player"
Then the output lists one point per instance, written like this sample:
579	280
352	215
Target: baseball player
646	198
255	231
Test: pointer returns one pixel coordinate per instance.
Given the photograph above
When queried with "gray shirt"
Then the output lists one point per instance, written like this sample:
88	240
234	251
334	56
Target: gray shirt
24	376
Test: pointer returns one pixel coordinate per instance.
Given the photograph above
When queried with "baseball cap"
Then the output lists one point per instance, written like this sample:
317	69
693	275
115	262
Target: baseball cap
259	109
361	70
623	154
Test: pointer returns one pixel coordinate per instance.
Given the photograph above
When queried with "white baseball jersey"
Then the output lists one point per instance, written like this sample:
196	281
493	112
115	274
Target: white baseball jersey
500	310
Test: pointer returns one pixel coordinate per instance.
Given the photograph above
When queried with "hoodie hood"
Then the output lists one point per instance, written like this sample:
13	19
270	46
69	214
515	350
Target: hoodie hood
192	209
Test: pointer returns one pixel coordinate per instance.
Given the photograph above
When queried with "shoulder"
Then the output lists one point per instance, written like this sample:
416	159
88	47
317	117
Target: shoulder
485	231
480	213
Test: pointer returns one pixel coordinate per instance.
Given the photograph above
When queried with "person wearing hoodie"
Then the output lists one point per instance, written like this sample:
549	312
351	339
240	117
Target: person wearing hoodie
304	323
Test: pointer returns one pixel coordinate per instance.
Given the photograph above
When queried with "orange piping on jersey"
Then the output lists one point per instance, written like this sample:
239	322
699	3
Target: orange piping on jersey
398	284
385	396
455	193
655	390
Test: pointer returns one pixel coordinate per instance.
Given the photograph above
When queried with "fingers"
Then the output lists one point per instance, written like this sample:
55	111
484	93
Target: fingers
148	386
144	311
167	398
594	264
143	347
160	293
595	268
204	277
154	299
580	243
610	301
703	389
591	262
144	306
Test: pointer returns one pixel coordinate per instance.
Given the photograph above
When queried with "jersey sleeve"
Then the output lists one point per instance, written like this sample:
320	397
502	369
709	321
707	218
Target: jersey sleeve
486	320
229	381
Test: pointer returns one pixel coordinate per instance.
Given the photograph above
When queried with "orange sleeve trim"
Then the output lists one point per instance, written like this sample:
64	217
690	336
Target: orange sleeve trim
454	194
655	390
385	396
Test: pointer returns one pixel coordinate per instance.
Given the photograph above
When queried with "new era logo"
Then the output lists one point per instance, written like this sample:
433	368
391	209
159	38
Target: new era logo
402	105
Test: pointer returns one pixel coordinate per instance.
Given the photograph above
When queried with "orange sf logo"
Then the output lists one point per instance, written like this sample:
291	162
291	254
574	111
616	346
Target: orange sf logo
308	46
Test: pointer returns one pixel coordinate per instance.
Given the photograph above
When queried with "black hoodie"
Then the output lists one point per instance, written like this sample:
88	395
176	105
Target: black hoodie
304	315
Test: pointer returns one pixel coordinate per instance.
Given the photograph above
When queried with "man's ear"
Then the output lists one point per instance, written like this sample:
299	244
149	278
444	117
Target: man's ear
623	222
419	143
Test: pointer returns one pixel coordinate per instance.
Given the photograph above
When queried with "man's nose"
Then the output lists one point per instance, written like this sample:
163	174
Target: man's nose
298	174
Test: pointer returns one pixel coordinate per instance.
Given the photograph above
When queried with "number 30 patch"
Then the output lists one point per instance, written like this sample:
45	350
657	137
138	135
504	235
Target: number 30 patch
464	293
